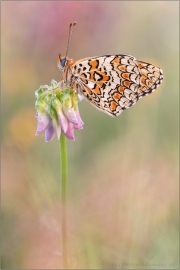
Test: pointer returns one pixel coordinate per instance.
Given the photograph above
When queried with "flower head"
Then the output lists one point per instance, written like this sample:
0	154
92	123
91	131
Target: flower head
57	111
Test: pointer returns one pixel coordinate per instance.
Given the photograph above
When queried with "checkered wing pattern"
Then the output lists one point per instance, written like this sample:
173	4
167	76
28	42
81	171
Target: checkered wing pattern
113	83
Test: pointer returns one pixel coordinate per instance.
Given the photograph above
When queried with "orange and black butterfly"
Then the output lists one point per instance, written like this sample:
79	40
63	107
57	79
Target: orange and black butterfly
112	83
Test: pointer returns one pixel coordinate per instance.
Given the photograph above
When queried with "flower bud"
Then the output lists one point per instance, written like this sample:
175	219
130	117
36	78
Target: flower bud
57	111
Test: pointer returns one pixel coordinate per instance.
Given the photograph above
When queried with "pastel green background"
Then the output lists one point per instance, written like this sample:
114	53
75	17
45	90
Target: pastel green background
123	172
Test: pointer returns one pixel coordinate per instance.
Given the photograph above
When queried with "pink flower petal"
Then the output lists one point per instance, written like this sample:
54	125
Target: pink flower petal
70	132
80	97
49	133
56	125
62	121
43	122
80	122
58	131
70	114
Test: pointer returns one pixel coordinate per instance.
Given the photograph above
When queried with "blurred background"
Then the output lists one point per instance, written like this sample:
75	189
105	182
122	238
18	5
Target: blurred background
123	172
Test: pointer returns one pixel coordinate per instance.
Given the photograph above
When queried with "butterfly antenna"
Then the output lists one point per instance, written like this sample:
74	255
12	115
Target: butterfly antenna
71	28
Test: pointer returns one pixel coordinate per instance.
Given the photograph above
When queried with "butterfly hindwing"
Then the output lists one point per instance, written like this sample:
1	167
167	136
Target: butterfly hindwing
151	78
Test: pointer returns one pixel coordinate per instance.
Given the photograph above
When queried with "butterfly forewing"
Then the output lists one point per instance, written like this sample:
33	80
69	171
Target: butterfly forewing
113	83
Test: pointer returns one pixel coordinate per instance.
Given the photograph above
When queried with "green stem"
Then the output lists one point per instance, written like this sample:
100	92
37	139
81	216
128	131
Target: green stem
64	177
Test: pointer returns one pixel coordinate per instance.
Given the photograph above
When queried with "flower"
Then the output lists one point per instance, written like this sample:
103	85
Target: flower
57	111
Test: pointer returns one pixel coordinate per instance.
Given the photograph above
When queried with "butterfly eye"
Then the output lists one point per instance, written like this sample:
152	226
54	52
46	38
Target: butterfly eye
61	61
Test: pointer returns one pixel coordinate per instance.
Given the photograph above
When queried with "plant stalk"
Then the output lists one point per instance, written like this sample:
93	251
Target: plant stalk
64	179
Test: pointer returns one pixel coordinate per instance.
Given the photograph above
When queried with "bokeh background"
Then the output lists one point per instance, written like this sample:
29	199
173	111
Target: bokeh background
123	172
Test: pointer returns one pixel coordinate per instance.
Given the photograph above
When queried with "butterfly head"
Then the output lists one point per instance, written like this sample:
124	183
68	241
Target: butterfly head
61	62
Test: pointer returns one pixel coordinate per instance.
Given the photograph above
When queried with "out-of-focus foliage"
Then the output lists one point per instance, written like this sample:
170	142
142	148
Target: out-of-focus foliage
123	172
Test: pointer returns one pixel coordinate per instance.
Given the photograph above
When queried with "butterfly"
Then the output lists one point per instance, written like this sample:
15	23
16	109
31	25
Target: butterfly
112	83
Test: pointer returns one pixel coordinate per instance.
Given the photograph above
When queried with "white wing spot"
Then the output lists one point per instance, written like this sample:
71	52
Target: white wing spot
90	84
97	77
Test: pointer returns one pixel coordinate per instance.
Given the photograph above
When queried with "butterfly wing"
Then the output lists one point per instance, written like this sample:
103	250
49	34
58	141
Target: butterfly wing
113	83
151	78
